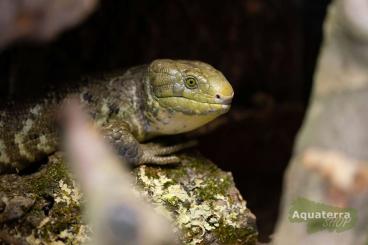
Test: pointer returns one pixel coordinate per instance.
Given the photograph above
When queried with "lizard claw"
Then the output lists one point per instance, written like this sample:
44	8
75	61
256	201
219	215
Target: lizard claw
155	153
159	160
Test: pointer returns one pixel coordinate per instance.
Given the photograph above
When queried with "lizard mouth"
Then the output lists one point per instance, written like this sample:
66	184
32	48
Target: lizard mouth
190	106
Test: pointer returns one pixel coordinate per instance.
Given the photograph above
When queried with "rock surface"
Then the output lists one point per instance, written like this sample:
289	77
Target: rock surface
202	201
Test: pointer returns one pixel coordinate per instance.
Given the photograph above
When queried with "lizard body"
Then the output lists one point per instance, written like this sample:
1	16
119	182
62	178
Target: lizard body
162	98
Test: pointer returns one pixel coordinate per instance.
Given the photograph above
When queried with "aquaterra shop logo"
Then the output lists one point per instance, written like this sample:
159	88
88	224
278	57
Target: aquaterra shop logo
319	216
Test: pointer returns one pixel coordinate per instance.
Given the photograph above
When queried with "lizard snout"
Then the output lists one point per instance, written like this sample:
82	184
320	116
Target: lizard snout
223	99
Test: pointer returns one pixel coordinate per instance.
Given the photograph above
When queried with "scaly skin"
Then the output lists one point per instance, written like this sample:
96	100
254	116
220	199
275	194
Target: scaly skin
162	98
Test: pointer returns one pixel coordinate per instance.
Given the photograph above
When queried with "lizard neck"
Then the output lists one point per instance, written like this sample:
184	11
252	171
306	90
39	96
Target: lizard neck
131	97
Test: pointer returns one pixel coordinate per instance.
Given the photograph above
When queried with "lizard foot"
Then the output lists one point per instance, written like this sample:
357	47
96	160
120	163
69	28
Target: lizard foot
158	154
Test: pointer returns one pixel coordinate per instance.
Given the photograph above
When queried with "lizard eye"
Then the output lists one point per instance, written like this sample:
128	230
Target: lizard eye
191	82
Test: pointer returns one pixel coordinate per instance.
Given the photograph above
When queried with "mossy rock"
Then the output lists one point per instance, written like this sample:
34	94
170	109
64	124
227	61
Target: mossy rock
202	201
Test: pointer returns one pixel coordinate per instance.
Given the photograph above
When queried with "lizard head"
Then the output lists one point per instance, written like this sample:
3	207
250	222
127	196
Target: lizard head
192	92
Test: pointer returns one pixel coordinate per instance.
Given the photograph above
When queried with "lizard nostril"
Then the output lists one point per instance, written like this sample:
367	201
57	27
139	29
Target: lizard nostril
218	96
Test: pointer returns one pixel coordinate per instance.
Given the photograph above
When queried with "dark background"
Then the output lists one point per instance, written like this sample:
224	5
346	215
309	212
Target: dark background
266	48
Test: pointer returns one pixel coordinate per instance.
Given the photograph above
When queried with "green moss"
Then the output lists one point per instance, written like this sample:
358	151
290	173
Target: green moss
214	186
46	183
231	235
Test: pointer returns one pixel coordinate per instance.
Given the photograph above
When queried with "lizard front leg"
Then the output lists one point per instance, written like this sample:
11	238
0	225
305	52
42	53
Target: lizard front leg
136	153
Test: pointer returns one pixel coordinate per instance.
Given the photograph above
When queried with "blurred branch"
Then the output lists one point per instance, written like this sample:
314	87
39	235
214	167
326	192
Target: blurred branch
330	162
117	215
40	20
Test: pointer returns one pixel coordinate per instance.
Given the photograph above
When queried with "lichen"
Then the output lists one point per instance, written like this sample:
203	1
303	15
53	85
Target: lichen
201	200
68	194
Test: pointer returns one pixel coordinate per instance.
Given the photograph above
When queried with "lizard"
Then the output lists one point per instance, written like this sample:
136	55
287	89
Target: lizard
163	97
